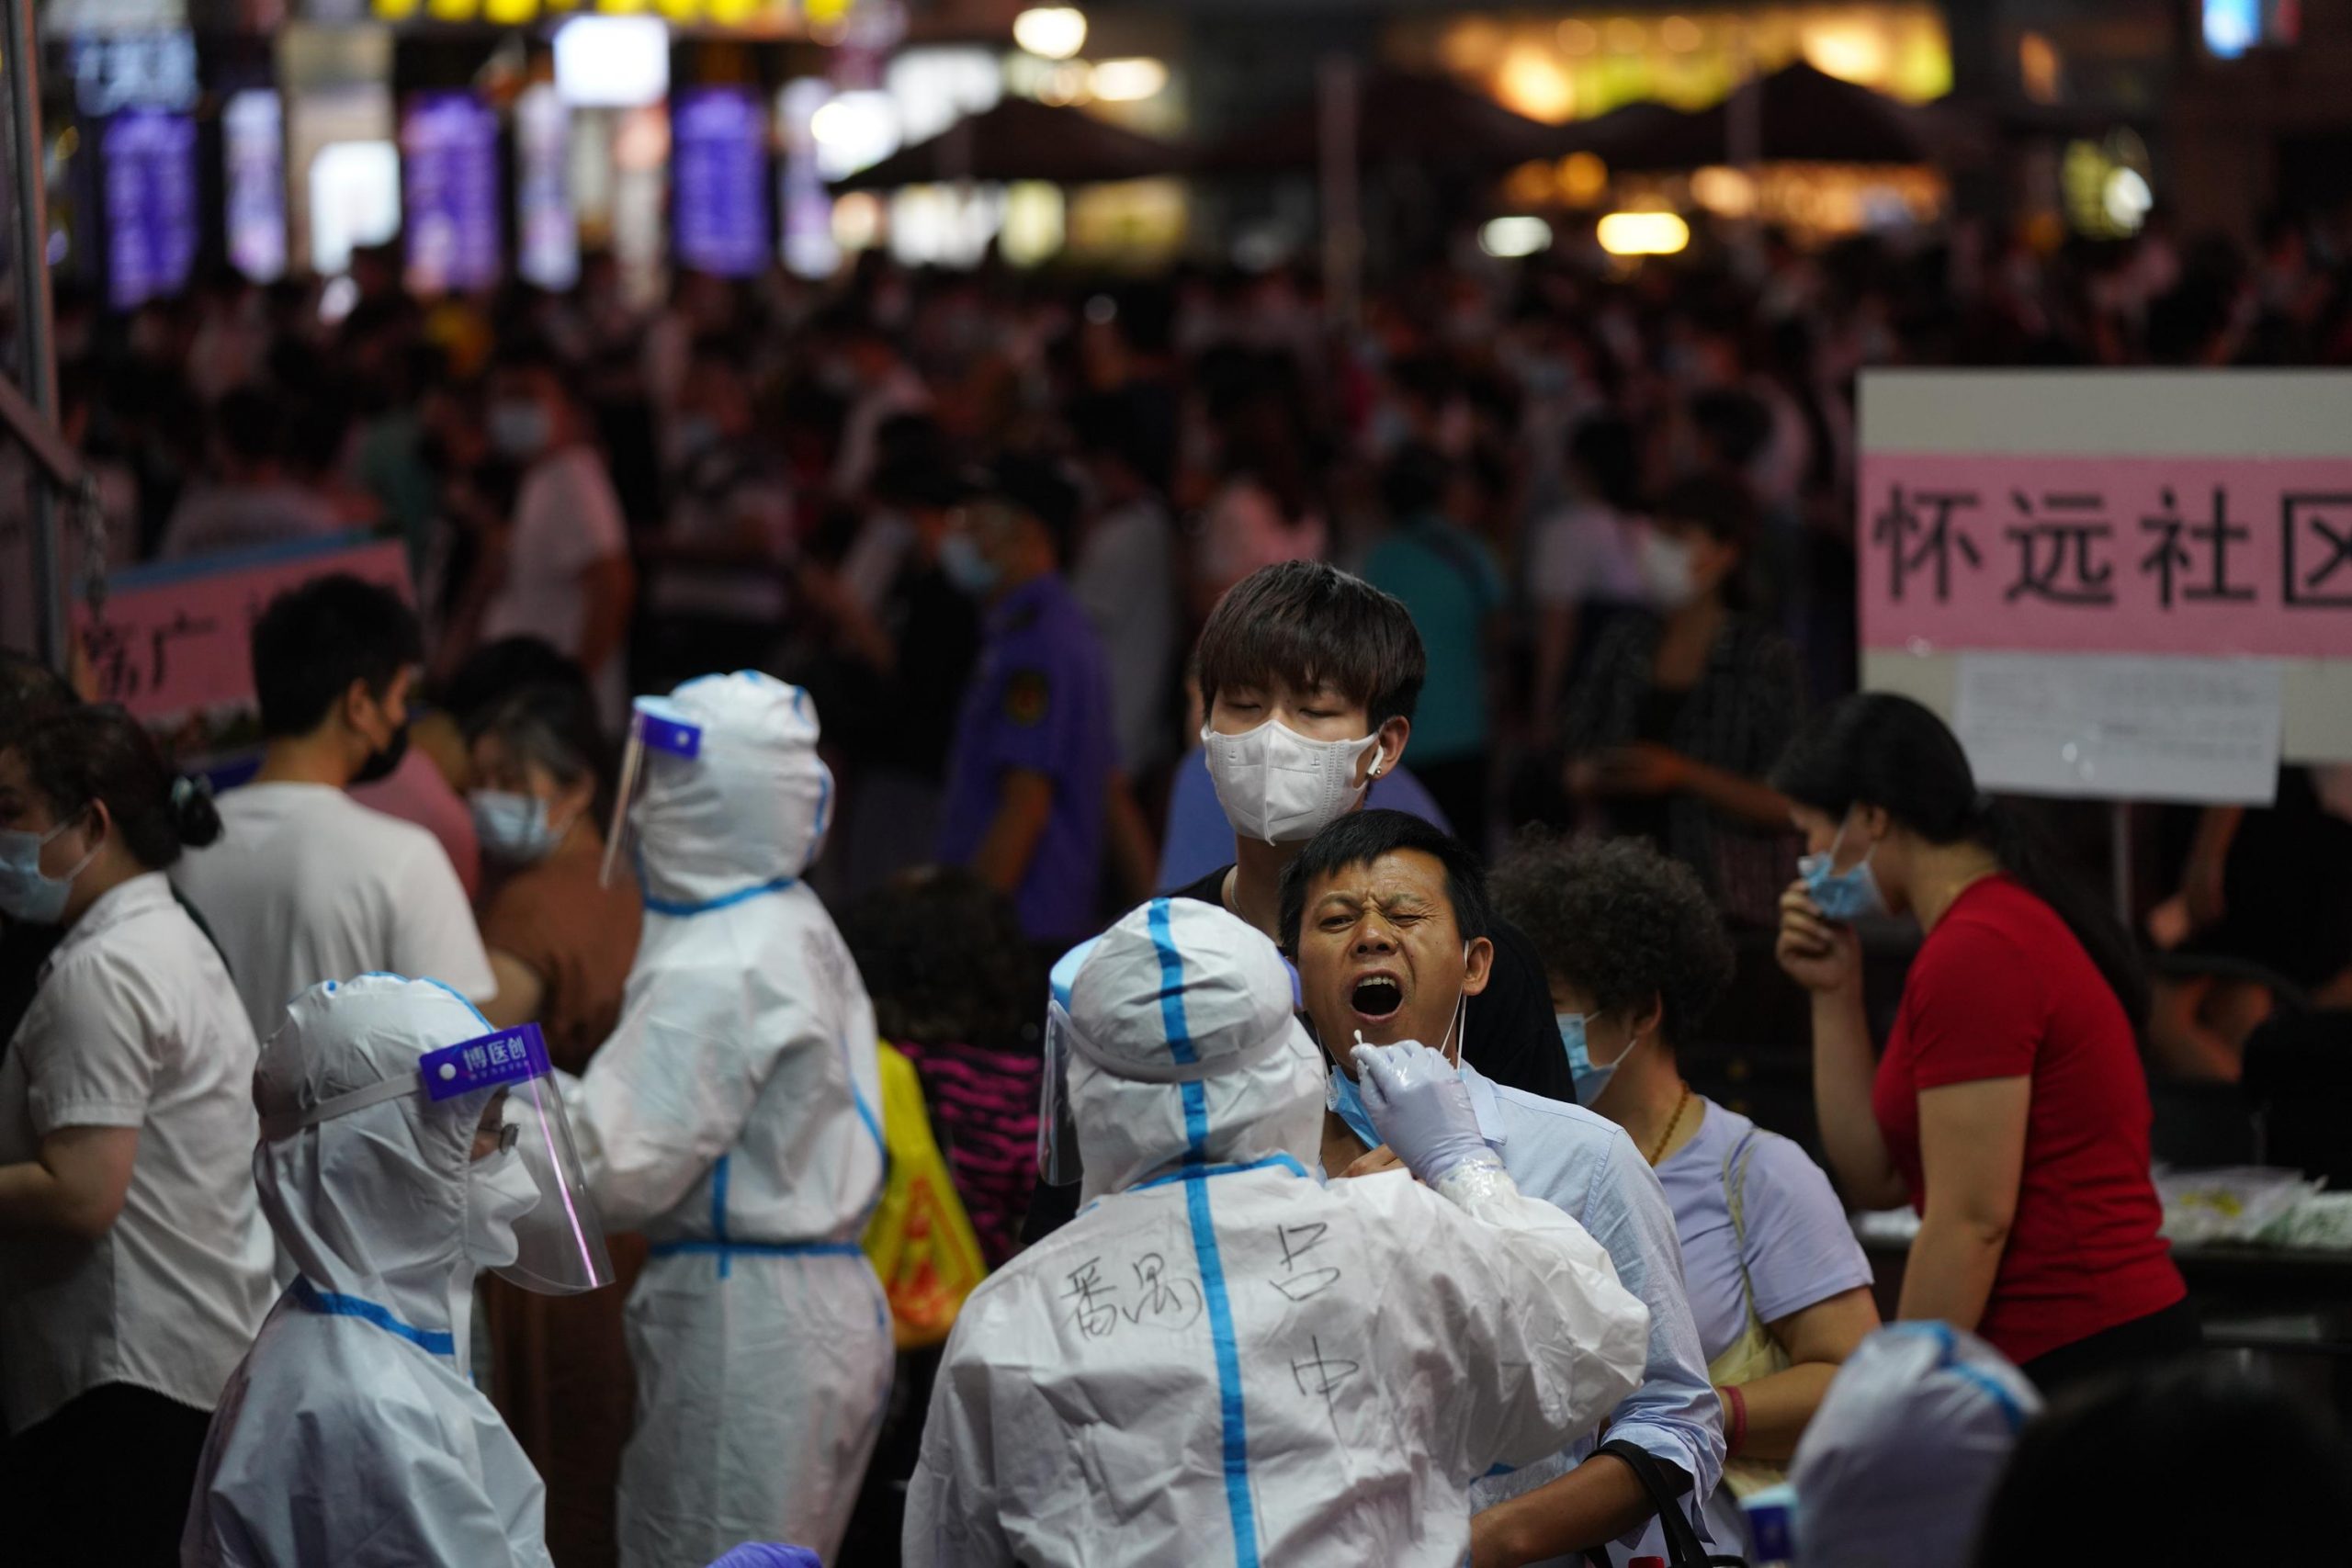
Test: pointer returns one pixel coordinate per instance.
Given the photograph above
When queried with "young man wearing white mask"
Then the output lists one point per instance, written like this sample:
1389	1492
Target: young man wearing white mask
1308	680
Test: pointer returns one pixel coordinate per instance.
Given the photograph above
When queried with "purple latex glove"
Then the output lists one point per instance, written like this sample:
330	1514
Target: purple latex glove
769	1555
1422	1107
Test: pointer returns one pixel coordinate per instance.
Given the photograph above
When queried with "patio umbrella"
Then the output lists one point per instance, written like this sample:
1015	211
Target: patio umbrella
1799	115
1021	138
1401	117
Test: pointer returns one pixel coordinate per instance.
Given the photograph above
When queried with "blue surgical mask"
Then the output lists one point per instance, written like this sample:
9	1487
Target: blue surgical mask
1842	895
966	568
27	892
512	828
1347	1099
1592	1078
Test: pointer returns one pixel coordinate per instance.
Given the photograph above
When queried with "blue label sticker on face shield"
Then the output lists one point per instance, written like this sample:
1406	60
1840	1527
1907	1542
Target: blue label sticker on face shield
673	736
487	1061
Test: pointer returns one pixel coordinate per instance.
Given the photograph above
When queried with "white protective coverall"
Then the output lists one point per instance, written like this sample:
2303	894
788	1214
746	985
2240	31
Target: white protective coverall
732	1119
352	1433
1897	1464
1223	1360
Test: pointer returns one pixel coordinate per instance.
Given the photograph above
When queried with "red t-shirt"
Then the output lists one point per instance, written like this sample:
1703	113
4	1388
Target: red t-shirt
2002	989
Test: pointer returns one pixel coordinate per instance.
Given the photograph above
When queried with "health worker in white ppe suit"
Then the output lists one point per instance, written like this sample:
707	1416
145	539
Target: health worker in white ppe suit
733	1119
1223	1360
405	1144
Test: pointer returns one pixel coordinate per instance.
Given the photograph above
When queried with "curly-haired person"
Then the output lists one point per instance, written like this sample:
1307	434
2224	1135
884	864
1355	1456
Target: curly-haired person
1636	956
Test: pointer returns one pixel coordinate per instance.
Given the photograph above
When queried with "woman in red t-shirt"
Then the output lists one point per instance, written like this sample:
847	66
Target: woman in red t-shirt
2010	1108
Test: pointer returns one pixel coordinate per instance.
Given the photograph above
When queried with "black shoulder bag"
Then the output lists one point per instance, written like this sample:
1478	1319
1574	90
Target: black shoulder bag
1682	1547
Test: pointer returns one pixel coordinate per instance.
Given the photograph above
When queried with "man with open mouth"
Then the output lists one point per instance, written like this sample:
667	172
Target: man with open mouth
1388	923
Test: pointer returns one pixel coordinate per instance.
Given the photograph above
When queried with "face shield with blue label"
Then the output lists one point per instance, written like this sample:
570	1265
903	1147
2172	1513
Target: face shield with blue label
1057	1161
530	1219
654	725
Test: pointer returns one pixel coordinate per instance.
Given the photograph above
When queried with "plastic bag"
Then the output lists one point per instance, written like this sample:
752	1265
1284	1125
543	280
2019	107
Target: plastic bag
919	1240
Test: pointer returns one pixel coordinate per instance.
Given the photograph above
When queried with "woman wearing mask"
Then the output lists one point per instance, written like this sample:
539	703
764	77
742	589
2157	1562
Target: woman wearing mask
562	944
2010	1108
1780	1289
1672	726
134	1264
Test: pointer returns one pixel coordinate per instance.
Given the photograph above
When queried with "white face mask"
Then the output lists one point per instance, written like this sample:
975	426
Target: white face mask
1278	785
1666	570
500	1190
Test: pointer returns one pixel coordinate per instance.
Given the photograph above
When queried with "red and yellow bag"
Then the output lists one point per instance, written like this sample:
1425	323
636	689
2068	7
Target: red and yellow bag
919	1240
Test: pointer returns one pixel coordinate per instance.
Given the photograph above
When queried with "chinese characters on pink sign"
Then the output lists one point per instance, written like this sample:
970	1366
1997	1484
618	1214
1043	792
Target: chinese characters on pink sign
181	644
2205	555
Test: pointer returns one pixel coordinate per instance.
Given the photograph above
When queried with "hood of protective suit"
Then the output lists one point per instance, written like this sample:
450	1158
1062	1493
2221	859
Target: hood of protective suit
372	1204
1899	1461
1185	1050
750	811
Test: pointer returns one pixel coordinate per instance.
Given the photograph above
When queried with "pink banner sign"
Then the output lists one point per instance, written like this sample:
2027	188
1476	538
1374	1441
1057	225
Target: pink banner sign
174	641
2208	556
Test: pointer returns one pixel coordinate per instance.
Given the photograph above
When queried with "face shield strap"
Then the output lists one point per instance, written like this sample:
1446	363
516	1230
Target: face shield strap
486	1062
647	731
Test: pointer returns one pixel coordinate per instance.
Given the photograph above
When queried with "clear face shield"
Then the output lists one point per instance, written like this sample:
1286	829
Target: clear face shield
1057	1161
654	725
524	1182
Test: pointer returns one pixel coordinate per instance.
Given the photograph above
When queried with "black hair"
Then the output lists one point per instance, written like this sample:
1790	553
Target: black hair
1876	748
314	640
498	670
1113	424
1303	622
1415	482
250	426
1602	446
1362	836
100	752
1620	921
1721	508
30	692
1036	487
555	725
944	958
2207	1439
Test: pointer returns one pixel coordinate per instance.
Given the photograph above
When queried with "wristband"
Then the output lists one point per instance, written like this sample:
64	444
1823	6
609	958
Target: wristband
1735	1418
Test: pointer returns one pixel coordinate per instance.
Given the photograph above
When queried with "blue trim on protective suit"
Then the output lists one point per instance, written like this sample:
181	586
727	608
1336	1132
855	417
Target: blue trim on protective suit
726	900
719	1210
722	1250
1238	1501
330	1303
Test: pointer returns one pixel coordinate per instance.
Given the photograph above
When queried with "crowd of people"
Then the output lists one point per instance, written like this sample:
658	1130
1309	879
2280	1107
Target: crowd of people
1297	798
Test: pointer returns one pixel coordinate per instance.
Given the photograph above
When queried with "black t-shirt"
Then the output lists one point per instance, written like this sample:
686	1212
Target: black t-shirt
1510	1030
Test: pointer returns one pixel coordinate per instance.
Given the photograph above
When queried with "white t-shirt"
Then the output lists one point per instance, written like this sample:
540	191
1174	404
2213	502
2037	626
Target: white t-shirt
1585	552
307	885
1125	578
135	1025
566	520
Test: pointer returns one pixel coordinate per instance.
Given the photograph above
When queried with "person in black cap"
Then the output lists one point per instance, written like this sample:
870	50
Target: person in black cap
1034	787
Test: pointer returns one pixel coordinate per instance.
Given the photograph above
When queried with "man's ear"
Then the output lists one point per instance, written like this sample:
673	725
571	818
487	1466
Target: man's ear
1480	968
1392	736
1873	821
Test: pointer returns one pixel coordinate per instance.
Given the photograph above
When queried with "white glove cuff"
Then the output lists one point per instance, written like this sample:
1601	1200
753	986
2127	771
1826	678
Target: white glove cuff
1476	1183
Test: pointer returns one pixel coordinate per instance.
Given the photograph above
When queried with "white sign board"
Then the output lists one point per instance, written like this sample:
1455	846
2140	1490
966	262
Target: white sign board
2132	728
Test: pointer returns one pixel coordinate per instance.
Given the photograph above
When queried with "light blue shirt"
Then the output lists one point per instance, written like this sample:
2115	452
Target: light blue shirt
1585	1165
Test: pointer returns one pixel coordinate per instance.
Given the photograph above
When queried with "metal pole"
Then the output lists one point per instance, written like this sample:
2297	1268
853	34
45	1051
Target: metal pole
38	368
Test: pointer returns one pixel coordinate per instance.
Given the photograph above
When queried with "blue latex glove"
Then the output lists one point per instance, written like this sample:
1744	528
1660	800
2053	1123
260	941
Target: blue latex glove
1422	1108
769	1555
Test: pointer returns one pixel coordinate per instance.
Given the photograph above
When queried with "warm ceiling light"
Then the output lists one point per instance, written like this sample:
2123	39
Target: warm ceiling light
1642	233
1055	32
1129	81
